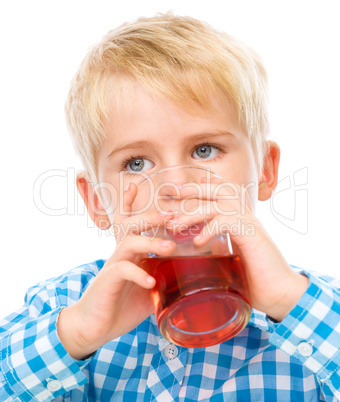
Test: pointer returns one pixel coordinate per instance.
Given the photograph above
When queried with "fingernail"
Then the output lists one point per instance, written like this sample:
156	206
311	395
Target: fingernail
166	243
173	221
165	213
127	188
150	279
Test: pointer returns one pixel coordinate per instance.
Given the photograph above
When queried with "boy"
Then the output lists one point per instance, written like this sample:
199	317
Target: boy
156	93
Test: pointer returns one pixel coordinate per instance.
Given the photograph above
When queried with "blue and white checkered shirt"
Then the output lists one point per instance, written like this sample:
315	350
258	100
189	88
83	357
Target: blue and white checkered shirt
295	360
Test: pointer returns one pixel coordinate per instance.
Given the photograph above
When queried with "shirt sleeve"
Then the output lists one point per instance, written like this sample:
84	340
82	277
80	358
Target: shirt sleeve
34	365
311	332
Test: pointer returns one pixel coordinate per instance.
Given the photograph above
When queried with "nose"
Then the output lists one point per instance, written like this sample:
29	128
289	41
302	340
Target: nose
169	182
167	188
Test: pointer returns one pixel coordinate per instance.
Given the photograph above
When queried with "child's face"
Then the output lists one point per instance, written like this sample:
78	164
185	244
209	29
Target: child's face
150	136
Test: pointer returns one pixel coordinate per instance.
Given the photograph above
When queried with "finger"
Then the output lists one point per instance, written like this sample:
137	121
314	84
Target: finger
238	227
183	222
218	190
134	248
127	271
229	206
124	206
194	212
137	224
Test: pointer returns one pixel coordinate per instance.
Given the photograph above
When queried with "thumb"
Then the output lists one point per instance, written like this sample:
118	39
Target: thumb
124	207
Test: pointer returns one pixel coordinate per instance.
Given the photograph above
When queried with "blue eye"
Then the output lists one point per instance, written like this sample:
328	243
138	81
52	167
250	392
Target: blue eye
205	152
137	165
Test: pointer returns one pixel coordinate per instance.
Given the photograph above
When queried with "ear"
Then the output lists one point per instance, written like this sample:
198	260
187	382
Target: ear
270	171
92	202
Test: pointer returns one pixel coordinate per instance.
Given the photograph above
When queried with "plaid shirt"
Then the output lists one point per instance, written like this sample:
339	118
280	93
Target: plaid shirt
295	360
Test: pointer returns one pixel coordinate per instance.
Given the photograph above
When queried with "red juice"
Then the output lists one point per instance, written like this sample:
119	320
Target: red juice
201	300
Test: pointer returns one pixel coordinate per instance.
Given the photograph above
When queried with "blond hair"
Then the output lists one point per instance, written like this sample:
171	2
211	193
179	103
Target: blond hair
176	57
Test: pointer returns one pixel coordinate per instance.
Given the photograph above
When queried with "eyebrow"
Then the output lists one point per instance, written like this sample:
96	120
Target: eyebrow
192	138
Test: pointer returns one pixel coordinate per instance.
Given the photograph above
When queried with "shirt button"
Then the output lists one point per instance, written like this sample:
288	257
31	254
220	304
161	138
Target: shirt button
171	351
54	385
305	349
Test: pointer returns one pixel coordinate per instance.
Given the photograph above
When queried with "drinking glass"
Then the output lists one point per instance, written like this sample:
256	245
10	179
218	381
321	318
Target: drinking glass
201	295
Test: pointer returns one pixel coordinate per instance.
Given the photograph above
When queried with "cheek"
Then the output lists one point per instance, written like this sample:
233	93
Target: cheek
109	196
252	195
246	176
251	186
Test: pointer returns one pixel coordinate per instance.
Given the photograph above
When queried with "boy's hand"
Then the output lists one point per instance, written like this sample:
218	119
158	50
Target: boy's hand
273	286
118	298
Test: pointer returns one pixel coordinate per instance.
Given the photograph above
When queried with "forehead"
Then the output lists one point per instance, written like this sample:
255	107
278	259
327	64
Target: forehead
137	114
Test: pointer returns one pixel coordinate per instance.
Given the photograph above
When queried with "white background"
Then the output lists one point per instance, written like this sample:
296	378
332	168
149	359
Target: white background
42	44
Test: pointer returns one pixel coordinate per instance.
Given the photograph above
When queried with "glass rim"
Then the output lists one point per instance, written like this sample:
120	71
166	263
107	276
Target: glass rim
178	167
